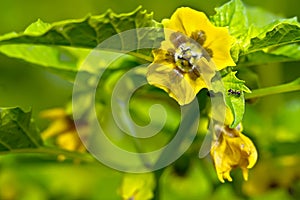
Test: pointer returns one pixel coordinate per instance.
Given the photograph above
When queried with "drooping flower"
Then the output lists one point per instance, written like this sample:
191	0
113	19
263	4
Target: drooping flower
63	130
232	149
191	53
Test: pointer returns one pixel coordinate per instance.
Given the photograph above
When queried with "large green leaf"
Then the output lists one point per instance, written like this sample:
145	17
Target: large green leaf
281	32
257	33
63	46
277	42
17	130
283	53
87	32
283	49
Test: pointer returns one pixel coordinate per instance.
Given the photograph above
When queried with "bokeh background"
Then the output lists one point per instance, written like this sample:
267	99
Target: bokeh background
272	122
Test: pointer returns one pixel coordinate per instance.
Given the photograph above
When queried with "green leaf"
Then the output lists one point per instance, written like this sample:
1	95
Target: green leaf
268	30
46	44
17	130
87	32
257	33
260	19
234	96
232	15
63	60
284	53
37	28
281	32
19	134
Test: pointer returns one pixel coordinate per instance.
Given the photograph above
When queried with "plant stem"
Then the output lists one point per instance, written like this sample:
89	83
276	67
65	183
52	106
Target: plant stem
288	87
51	151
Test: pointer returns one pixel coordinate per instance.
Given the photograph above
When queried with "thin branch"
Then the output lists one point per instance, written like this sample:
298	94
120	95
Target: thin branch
288	87
51	151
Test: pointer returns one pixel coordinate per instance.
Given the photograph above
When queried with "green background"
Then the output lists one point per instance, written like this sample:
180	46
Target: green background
271	122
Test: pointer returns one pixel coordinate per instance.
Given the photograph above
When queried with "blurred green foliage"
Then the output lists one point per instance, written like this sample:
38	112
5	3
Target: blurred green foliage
272	121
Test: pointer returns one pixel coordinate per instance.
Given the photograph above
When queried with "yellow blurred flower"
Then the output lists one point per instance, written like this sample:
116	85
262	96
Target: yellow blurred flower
63	130
232	149
266	178
137	186
186	61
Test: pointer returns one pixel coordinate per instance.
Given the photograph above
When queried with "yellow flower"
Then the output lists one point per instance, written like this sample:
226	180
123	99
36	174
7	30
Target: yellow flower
63	130
186	60
232	149
137	186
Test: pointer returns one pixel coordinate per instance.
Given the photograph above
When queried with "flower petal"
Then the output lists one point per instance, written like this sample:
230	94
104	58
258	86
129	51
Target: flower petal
166	77
245	173
230	150
187	21
220	42
251	150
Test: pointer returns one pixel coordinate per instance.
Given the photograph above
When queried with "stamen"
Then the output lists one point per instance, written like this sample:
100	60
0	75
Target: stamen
185	56
209	51
199	36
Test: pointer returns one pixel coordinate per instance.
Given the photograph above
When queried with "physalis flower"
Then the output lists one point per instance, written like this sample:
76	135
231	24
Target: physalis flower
191	53
232	149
